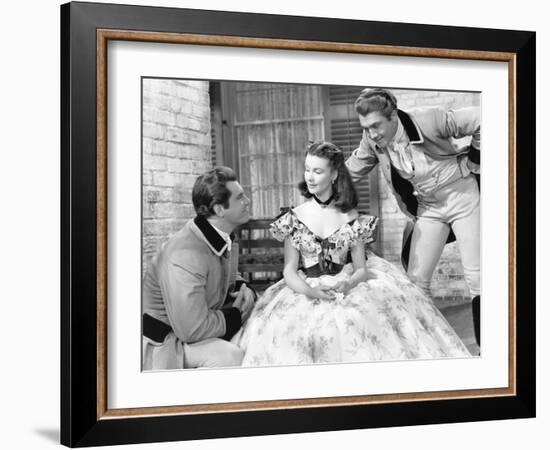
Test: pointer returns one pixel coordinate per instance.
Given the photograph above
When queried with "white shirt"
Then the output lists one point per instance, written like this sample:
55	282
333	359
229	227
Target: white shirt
423	171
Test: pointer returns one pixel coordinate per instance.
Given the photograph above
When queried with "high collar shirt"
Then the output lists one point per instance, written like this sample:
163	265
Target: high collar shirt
412	163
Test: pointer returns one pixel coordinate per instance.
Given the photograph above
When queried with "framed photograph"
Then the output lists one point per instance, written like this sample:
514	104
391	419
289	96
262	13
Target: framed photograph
153	99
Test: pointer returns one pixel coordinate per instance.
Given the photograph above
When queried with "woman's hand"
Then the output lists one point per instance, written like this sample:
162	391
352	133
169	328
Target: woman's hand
321	292
342	286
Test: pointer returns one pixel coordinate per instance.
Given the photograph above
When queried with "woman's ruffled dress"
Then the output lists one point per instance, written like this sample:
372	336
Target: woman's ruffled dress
386	317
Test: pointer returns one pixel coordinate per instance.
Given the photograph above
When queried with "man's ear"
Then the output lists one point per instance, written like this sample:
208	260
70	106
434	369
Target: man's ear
219	210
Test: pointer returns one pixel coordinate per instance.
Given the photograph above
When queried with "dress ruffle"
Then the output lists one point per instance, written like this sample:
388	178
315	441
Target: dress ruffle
384	318
336	247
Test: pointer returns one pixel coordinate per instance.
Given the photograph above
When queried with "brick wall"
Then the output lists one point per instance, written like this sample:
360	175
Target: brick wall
448	284
176	148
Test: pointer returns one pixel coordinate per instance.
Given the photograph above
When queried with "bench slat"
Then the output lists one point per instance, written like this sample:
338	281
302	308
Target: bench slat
261	267
260	243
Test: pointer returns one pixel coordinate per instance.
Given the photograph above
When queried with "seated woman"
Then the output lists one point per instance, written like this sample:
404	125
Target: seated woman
332	310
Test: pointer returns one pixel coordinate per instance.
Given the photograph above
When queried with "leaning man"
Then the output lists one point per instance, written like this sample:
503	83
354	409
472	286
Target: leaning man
432	179
193	302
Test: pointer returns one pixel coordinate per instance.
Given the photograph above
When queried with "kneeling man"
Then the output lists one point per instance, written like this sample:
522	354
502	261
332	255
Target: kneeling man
188	316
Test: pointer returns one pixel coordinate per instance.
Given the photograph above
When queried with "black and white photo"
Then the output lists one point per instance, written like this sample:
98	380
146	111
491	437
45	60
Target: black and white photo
288	224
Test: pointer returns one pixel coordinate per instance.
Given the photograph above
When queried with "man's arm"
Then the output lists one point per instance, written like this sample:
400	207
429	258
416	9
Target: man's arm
183	285
362	160
462	122
238	290
465	122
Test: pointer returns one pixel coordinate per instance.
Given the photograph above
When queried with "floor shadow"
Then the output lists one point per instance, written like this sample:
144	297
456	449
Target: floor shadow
50	434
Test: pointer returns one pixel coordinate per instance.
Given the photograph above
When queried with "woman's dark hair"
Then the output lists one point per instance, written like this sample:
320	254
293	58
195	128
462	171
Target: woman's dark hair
376	99
345	195
210	189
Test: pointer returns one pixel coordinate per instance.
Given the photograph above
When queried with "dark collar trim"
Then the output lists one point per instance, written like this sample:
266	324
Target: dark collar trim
409	126
211	235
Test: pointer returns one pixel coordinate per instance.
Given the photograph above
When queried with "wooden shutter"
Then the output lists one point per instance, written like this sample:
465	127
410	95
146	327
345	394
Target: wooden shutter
343	129
216	146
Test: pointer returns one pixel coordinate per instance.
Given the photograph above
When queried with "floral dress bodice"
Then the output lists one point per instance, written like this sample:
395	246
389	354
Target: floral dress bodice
332	249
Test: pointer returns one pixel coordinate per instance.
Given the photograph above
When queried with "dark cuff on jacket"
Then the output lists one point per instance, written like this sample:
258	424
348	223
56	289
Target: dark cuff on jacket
474	155
232	322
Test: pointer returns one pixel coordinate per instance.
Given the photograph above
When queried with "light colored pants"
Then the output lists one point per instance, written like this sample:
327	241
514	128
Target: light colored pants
174	354
454	206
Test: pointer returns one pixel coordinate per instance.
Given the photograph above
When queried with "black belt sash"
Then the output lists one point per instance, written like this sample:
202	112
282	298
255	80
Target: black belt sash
155	329
316	270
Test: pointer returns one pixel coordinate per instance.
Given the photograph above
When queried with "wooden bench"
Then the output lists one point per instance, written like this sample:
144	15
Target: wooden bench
261	258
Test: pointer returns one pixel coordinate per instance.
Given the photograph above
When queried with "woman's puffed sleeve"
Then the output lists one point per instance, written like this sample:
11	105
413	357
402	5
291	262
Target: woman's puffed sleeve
283	227
365	228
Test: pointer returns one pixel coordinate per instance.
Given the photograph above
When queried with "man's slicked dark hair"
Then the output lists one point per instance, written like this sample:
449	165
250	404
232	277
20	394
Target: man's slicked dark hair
376	100
210	189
